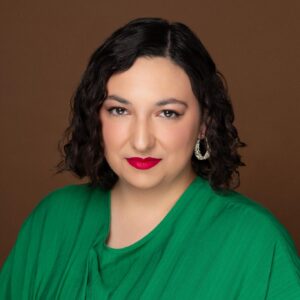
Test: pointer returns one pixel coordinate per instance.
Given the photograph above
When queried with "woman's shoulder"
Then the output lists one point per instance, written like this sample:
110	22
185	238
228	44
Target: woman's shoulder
65	207
250	217
72	196
249	236
65	214
66	192
65	222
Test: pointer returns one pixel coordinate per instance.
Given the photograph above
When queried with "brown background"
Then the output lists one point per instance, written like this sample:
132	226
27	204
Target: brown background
45	48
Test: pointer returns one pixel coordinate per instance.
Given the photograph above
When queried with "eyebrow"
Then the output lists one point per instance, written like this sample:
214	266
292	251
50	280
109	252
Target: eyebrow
159	103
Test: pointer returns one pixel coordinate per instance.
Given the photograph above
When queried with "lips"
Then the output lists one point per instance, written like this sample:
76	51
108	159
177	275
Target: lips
143	163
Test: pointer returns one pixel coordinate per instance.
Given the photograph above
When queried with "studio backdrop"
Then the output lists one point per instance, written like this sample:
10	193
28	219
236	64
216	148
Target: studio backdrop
45	48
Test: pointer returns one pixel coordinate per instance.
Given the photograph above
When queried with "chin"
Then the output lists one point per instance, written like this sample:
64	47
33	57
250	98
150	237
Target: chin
142	181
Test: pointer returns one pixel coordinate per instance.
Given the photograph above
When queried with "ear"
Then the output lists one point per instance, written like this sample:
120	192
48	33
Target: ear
202	131
203	126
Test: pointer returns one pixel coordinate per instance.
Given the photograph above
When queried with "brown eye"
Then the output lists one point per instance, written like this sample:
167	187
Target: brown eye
170	114
117	111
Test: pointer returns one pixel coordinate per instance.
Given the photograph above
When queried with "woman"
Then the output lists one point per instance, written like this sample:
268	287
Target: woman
152	128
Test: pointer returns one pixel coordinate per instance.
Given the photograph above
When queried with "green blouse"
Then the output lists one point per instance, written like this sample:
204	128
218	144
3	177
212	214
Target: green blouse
208	246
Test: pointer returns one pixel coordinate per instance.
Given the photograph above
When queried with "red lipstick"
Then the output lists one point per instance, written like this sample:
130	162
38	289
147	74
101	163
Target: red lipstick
143	163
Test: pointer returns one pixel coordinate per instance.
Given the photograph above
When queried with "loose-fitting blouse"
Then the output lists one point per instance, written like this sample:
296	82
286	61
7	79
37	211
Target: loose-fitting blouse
208	246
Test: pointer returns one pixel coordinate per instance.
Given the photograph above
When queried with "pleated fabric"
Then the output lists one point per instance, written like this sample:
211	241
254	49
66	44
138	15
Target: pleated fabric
209	246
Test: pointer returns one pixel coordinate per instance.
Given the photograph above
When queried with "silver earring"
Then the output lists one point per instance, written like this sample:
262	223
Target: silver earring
198	153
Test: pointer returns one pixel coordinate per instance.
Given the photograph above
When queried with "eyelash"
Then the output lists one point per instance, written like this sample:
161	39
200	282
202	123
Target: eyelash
110	110
175	114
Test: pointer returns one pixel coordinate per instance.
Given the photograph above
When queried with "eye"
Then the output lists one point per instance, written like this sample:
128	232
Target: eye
170	114
116	111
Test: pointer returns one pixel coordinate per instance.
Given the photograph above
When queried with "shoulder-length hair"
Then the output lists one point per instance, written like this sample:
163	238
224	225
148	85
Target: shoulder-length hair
82	146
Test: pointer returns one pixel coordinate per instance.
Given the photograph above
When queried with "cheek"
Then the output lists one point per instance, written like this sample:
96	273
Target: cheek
113	133
180	140
179	137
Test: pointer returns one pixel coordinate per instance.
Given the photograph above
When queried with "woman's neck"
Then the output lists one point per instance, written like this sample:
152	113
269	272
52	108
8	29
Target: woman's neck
159	198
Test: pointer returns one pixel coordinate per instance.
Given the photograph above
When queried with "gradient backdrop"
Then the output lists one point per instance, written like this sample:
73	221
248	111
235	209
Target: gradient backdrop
45	47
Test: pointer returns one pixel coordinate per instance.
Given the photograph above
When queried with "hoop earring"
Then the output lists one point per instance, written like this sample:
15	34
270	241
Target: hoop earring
198	152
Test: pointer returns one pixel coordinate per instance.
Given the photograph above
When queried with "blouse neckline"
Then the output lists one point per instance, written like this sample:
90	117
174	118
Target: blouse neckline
169	217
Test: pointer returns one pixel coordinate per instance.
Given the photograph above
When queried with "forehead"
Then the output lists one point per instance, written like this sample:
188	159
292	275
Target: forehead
151	78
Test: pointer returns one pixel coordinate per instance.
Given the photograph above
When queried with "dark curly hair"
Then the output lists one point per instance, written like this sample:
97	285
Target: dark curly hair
82	146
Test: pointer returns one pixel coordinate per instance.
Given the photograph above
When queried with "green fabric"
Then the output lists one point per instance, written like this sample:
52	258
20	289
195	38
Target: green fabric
209	246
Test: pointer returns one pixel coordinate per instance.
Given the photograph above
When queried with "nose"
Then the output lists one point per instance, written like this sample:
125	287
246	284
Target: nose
142	137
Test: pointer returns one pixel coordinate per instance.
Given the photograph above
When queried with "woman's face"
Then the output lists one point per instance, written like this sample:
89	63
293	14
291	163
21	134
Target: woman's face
141	118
